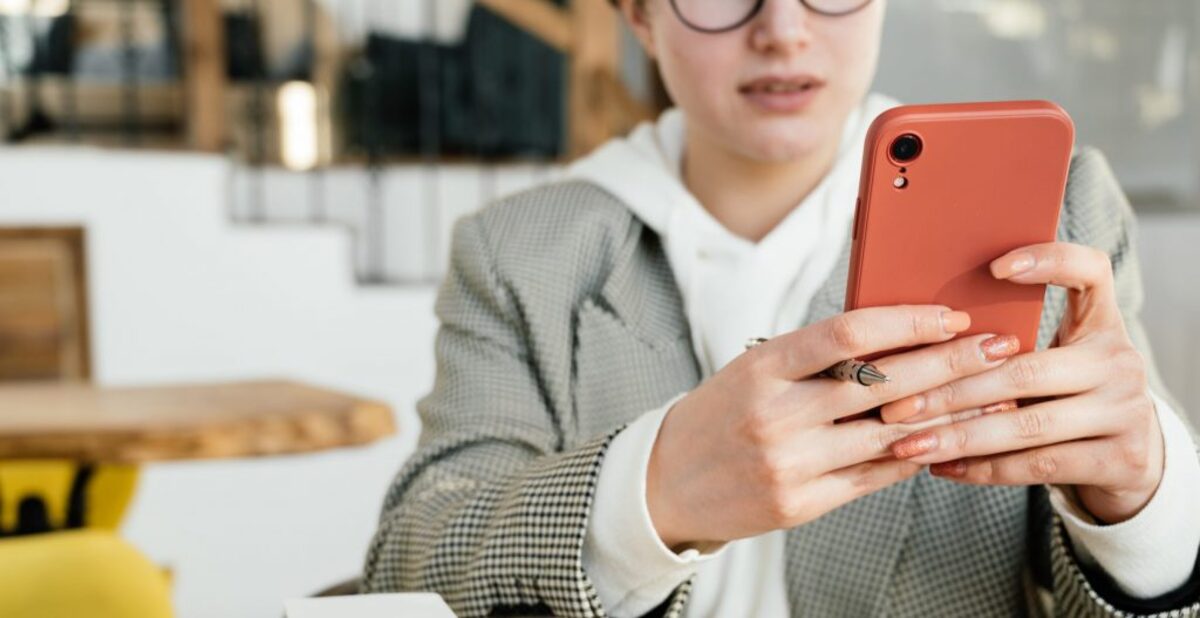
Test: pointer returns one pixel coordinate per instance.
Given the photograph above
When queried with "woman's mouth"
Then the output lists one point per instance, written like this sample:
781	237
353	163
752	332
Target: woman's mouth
781	94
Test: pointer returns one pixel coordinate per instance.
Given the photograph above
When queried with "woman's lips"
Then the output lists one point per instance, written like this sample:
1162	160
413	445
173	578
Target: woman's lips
781	96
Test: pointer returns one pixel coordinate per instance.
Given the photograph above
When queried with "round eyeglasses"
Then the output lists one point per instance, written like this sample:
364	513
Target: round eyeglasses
726	15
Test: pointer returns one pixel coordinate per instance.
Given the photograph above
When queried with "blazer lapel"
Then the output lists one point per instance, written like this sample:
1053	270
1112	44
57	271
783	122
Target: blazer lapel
631	332
841	563
641	289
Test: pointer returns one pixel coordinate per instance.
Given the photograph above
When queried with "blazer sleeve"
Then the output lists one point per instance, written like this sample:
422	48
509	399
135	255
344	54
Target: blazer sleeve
1097	213
490	511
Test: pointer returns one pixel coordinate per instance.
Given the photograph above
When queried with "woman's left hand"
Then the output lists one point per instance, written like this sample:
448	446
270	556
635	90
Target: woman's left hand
1097	431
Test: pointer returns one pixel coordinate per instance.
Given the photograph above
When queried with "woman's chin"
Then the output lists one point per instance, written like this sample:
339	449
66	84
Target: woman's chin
781	142
776	150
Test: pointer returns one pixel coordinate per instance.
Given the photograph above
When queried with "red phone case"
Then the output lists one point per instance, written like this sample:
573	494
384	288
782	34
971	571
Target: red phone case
989	178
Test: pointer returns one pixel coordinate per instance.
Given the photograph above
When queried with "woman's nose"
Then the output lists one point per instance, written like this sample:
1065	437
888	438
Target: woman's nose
780	25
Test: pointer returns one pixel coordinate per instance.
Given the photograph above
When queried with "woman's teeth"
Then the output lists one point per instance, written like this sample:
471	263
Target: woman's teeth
783	87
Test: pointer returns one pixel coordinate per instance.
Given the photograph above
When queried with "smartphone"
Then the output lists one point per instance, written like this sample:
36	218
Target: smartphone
946	189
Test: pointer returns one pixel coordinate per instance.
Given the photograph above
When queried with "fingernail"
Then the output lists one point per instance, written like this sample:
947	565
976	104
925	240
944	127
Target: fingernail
999	347
957	467
955	321
914	445
1002	406
904	409
1010	265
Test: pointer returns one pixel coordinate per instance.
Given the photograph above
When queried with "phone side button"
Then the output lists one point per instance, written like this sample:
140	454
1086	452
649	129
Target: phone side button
857	214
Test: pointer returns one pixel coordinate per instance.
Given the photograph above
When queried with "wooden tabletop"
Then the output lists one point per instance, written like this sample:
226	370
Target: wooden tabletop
191	421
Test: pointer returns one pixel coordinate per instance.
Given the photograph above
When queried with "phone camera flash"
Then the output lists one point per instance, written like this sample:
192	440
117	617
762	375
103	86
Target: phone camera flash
900	182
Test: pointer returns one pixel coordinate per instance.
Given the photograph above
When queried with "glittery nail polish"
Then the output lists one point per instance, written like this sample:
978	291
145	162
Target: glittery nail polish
999	347
1002	406
954	468
914	445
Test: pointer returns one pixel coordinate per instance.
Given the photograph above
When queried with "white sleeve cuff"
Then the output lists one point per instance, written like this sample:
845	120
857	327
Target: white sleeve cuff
629	565
1154	552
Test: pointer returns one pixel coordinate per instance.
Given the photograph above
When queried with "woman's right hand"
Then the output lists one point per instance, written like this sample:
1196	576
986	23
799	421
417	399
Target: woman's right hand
755	448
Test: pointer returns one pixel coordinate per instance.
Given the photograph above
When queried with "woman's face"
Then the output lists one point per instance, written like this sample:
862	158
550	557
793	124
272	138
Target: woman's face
775	89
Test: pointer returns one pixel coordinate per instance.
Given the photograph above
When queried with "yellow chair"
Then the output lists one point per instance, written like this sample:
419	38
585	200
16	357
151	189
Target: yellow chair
41	496
75	573
59	554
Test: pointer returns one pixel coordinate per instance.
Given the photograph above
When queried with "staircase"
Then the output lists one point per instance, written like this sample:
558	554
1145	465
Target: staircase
398	217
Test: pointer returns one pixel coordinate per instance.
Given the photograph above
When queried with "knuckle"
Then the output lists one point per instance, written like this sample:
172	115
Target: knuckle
1132	366
958	362
776	509
1137	416
1057	258
1024	374
960	438
754	429
782	508
1137	413
1134	455
786	509
1145	410
1042	466
917	325
772	471
1030	423
1101	258
865	481
845	334
942	398
1106	267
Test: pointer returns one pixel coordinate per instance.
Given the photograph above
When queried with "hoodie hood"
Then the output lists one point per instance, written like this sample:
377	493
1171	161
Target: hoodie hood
733	288
644	169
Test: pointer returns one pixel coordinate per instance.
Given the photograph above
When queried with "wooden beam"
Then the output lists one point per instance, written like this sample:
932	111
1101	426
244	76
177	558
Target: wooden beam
543	20
595	59
204	74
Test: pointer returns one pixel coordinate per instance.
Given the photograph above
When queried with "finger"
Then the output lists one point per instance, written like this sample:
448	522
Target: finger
920	370
962	416
810	350
1077	267
1048	373
839	487
911	411
1082	462
1042	424
846	444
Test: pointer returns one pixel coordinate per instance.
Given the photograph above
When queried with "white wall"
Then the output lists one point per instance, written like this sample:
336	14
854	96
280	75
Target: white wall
1170	255
180	293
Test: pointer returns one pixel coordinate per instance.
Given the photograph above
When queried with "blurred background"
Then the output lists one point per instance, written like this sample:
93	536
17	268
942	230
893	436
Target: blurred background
264	188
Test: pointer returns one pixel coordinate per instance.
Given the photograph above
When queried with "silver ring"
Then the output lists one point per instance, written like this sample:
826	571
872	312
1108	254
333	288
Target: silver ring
753	341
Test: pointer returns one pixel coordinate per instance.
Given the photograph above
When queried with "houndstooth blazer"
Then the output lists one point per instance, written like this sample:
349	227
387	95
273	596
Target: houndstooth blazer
561	323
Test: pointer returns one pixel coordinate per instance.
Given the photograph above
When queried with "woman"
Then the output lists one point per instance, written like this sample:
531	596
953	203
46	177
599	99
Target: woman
597	443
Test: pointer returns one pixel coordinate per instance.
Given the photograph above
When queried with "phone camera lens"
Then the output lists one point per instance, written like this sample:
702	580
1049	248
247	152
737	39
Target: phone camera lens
906	148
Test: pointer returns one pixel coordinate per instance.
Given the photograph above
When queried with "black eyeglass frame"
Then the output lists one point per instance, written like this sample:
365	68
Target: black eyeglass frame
758	5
